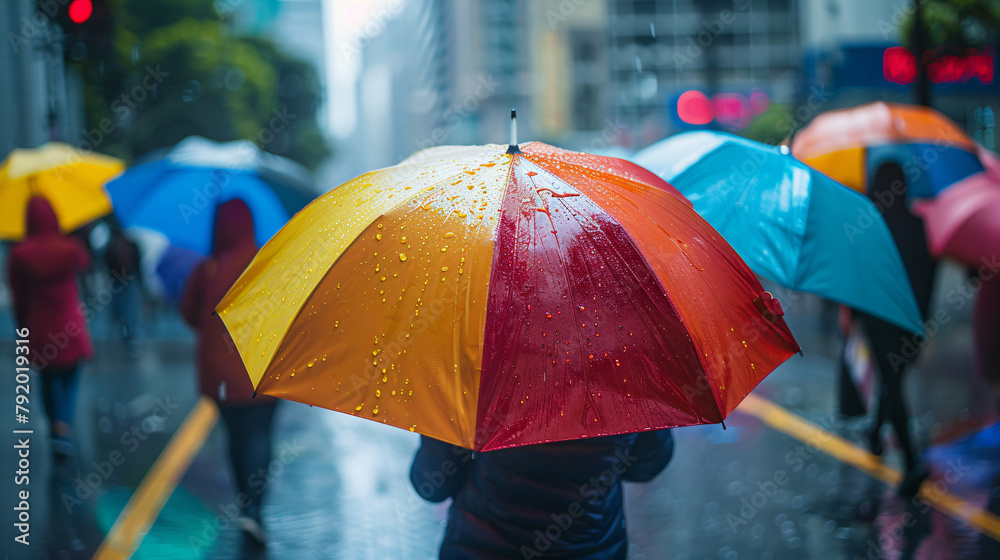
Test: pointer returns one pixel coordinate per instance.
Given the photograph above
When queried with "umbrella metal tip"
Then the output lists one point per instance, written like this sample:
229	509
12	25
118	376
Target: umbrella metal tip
513	113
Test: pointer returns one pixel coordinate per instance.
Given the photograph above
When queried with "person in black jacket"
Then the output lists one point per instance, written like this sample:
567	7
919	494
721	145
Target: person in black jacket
894	349
552	500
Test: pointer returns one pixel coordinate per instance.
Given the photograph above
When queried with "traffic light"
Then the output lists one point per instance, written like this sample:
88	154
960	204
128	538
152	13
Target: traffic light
79	11
87	24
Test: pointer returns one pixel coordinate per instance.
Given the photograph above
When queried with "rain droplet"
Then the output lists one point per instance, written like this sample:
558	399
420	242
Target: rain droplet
378	393
449	234
444	269
402	239
378	236
443	249
374	411
311	364
359	406
380	226
402	256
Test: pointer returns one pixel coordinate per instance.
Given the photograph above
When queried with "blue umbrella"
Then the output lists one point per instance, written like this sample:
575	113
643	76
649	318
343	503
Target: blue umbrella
179	201
790	223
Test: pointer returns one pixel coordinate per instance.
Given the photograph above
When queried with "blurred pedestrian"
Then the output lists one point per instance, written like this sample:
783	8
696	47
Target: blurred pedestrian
43	280
222	375
894	350
552	500
121	255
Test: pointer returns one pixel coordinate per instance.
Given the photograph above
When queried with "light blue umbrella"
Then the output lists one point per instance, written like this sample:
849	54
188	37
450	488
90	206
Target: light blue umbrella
789	222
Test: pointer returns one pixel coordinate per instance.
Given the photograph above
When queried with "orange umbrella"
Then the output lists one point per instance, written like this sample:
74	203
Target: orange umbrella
850	144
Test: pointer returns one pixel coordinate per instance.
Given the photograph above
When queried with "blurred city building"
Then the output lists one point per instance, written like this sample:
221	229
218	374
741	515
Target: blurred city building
39	99
726	50
596	74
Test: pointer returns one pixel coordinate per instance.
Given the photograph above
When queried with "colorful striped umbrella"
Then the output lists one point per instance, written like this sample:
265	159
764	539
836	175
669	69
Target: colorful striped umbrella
849	145
495	296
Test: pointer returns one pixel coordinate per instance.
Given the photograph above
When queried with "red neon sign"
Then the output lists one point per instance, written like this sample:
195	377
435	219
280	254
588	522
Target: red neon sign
899	66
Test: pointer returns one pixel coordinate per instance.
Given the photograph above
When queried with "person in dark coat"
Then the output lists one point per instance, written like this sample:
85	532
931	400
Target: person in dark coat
895	350
552	500
221	373
43	271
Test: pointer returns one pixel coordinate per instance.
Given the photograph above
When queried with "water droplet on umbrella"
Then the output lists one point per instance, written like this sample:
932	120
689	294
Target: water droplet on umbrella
449	234
402	239
378	393
378	236
402	256
359	406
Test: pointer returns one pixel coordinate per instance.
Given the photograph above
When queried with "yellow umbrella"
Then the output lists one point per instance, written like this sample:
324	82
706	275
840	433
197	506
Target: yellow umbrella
72	180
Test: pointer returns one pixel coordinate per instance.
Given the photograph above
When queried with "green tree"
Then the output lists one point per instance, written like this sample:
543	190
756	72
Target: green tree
177	70
955	25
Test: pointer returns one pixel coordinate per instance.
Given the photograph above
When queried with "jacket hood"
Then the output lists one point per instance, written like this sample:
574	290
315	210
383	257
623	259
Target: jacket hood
41	218
233	226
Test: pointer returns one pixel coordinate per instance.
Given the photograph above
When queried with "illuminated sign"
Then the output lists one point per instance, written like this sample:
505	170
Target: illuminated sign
899	66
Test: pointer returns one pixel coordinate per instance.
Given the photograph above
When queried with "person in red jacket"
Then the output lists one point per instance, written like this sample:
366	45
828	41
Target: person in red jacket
43	271
222	375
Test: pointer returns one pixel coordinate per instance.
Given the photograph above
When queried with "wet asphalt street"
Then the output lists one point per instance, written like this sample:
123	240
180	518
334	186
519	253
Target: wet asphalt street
338	486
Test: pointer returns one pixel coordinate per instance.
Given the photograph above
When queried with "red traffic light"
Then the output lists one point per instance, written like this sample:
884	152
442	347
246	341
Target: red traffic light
80	10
